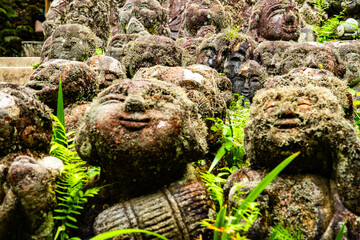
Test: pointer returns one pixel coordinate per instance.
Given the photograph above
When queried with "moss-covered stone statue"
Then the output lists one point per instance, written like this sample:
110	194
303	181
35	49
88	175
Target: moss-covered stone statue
92	14
349	52
107	68
312	55
316	77
148	51
200	13
319	189
79	82
139	15
241	50
71	42
142	133
27	181
269	55
213	51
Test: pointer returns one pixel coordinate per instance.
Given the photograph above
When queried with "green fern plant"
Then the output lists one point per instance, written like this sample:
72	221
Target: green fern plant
227	225
280	232
75	175
232	149
326	30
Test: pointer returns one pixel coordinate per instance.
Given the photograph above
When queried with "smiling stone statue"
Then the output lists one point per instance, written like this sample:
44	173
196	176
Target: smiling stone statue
142	133
275	20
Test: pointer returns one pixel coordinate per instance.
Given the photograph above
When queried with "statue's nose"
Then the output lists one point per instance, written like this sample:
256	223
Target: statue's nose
134	103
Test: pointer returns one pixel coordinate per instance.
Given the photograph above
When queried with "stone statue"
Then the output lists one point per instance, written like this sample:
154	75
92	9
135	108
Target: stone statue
241	50
302	77
71	42
79	82
107	68
275	20
309	119
203	86
349	52
312	55
147	15
269	55
200	13
148	51
92	14
27	198
213	51
142	133
249	78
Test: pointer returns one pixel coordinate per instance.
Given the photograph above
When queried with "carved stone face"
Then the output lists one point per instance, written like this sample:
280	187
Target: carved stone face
241	49
143	126
79	82
79	12
278	20
289	119
349	52
24	123
117	43
149	13
311	55
213	51
200	13
107	68
148	51
249	78
72	42
268	54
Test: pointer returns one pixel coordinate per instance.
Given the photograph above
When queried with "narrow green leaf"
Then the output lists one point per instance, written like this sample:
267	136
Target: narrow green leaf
125	231
71	218
341	232
60	105
70	225
59	217
220	221
221	152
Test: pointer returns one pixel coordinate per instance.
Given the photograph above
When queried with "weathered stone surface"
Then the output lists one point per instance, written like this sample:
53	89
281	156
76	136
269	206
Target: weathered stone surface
302	77
188	47
71	42
311	55
213	51
148	51
31	48
269	55
107	68
117	44
92	14
79	82
173	212
32	185
349	52
74	115
142	133
200	13
249	78
303	201
149	14
241	49
24	122
267	24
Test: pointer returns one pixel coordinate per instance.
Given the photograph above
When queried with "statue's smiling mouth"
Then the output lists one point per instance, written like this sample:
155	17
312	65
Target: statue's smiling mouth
291	28
133	121
287	123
